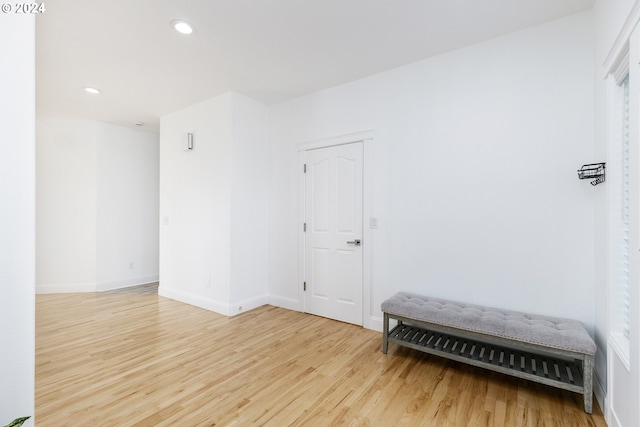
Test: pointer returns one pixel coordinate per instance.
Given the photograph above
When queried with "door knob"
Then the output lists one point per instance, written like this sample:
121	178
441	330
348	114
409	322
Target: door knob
356	242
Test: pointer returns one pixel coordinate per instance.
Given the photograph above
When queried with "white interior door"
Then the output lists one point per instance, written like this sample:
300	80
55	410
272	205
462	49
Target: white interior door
333	237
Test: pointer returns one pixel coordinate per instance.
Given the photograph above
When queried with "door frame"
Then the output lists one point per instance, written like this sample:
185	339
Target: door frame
366	137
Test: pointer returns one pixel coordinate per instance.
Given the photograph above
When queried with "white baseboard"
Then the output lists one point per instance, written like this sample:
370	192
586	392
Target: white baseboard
65	288
109	286
195	300
212	305
246	305
93	287
284	302
599	391
612	420
374	323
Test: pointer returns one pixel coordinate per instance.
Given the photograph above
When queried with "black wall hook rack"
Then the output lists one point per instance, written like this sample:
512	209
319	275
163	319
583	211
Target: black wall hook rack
593	171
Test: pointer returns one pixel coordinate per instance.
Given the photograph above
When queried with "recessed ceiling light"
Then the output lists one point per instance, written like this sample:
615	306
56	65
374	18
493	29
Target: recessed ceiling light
183	27
92	90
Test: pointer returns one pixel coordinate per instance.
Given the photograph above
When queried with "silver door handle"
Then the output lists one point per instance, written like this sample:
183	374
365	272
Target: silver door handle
356	242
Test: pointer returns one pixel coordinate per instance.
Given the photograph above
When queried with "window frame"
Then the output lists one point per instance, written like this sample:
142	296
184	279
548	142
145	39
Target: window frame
619	252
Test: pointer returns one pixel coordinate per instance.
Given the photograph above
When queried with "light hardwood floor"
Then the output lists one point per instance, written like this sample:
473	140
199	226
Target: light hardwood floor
117	359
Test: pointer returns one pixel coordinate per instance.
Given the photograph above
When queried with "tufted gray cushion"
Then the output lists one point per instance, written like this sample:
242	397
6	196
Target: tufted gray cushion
547	331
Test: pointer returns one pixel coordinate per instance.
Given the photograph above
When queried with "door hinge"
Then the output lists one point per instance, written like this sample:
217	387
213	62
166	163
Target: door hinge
304	227
304	286
304	168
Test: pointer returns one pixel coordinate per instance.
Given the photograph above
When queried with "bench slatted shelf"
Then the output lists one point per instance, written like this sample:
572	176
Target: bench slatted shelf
552	351
498	358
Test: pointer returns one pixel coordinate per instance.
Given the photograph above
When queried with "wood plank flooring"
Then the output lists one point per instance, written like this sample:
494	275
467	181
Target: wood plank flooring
118	359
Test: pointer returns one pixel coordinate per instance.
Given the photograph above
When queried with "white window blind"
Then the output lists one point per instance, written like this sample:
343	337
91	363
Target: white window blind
624	283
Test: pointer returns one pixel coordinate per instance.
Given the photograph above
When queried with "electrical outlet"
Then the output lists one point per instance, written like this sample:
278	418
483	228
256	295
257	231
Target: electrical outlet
131	265
207	282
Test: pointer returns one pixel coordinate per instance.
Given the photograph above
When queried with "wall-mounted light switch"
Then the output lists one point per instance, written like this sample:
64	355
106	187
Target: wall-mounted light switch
373	222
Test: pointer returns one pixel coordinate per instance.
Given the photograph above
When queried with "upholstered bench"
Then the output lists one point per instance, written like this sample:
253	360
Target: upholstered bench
549	350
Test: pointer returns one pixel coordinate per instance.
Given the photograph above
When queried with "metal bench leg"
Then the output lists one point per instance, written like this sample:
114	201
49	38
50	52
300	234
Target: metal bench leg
587	368
385	333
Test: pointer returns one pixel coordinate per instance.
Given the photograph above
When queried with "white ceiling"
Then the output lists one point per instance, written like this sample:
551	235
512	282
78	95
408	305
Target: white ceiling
269	50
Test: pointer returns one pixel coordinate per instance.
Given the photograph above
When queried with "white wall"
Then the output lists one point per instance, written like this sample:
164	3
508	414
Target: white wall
66	205
127	207
249	198
195	192
474	182
213	205
17	217
97	206
610	18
